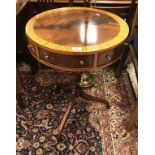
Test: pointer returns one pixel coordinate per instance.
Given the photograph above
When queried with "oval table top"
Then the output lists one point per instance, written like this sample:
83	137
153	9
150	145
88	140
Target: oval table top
77	30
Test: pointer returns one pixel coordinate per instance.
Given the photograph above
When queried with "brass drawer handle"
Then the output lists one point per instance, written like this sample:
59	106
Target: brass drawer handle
108	57
81	62
30	47
46	57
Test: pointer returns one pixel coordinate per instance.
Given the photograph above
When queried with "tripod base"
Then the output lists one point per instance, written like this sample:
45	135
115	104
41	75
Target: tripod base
78	92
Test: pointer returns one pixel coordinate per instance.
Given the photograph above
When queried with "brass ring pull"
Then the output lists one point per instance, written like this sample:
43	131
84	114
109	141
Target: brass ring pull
108	57
81	62
46	57
30	47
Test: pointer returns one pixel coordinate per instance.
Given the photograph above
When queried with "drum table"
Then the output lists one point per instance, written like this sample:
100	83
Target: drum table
76	39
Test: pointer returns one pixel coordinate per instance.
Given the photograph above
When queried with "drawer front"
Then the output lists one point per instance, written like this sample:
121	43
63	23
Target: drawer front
109	56
69	61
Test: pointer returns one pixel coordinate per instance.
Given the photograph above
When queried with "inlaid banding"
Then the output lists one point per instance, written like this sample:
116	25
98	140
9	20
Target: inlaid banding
88	28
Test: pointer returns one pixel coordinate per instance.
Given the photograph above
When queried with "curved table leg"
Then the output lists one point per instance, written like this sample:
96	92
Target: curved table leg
59	130
93	98
133	118
77	92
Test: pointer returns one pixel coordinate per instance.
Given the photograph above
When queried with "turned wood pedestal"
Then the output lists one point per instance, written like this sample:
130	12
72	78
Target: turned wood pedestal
76	39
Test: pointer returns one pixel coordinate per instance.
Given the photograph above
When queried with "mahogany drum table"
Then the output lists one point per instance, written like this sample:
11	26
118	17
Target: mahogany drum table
76	39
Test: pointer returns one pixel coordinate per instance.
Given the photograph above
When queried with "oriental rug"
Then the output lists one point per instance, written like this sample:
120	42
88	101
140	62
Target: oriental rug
90	130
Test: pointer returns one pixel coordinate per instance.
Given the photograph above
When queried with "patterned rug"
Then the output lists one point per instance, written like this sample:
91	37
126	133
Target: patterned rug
90	129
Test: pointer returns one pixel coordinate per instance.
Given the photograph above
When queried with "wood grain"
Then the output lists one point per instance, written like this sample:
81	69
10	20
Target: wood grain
76	39
77	30
64	29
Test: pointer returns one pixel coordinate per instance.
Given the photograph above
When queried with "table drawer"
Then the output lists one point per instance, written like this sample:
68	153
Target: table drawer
109	56
63	60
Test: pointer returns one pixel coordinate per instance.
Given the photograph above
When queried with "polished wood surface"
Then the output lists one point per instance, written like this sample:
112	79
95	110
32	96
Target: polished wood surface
76	38
59	130
64	29
19	5
77	29
76	63
133	118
